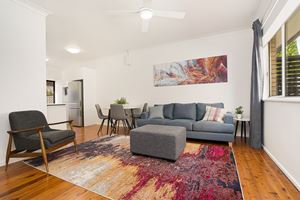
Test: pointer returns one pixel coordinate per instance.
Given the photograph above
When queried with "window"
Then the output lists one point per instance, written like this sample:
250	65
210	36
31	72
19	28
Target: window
50	92
284	59
275	55
292	54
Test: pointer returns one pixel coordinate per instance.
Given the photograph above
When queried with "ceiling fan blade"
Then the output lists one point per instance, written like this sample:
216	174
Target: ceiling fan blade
121	12
169	14
145	25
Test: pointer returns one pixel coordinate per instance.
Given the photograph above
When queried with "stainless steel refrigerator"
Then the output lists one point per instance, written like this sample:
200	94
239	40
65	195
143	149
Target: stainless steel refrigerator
75	102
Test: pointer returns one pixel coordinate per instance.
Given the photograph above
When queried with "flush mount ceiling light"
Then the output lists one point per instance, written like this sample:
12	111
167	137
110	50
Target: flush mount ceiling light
47	59
146	13
73	50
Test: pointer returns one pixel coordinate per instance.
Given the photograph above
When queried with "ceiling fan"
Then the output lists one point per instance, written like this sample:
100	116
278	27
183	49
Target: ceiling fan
146	13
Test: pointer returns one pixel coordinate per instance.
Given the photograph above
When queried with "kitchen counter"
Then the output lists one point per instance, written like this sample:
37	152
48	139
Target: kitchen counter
57	113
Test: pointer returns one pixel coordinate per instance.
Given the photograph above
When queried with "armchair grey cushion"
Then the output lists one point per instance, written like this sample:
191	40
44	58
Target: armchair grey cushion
185	111
30	140
201	108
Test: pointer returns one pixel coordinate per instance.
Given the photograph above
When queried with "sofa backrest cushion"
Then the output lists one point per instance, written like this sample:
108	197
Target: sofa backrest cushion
167	110
201	109
184	111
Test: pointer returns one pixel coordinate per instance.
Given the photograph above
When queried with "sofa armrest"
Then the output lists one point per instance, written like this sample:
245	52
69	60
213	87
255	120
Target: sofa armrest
144	115
228	118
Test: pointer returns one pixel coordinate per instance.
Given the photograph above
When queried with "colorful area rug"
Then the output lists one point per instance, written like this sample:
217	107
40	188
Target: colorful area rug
106	167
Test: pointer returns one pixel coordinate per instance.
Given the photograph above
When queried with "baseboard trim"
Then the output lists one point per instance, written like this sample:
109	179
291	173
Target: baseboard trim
282	168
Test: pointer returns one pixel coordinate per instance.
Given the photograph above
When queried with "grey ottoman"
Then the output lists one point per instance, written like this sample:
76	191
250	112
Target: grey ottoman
158	141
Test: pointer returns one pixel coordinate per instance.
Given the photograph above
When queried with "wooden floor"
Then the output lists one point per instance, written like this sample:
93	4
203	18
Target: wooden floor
260	177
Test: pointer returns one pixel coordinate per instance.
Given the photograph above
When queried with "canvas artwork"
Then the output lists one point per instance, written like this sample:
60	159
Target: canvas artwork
194	71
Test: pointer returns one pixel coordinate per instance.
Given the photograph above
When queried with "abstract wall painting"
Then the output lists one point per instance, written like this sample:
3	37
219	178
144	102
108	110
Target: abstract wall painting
194	71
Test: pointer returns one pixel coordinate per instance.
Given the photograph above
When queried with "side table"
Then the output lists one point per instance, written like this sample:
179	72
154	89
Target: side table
244	122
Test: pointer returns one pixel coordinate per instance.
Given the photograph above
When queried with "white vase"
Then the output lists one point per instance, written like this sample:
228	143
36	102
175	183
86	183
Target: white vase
239	116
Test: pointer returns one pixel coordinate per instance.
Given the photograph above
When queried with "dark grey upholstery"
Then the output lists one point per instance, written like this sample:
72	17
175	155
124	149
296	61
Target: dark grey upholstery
184	111
196	129
158	141
30	140
201	108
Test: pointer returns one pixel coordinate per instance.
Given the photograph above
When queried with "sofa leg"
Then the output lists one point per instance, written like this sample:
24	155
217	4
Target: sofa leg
230	144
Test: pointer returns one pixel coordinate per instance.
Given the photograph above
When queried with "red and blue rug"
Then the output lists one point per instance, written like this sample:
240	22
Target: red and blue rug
106	167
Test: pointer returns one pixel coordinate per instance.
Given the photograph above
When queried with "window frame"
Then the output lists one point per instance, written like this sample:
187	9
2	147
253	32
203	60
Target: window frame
53	83
283	97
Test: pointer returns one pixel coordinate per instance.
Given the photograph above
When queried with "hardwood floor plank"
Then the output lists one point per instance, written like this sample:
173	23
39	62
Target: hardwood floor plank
260	177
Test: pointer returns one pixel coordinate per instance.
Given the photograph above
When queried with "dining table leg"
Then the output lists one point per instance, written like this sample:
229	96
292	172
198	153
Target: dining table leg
108	121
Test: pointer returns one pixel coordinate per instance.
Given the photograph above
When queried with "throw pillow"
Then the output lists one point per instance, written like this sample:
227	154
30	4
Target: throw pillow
156	112
214	114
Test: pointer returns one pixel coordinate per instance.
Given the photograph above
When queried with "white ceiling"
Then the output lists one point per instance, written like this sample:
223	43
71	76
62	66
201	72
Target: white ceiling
84	23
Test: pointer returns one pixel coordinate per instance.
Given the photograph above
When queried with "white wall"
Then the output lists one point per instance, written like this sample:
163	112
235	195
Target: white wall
281	118
135	82
282	136
22	64
55	74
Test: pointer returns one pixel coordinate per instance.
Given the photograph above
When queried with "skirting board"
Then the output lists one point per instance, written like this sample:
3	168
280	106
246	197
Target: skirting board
282	168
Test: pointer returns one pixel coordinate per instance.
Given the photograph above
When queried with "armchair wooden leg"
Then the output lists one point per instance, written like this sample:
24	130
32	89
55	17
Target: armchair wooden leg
8	151
44	152
230	144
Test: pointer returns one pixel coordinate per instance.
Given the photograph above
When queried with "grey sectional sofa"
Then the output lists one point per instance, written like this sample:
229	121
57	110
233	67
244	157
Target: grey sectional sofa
190	116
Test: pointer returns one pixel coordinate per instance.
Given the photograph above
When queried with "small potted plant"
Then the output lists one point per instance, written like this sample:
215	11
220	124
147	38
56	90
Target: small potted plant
239	112
122	101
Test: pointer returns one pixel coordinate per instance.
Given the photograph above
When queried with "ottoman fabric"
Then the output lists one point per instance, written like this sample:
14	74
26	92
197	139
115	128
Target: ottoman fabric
159	141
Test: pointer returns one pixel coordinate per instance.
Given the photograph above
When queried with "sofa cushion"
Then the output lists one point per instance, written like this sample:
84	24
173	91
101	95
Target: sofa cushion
184	111
201	108
156	112
187	123
214	114
214	127
168	110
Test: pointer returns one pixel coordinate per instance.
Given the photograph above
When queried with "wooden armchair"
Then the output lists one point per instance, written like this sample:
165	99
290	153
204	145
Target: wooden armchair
31	132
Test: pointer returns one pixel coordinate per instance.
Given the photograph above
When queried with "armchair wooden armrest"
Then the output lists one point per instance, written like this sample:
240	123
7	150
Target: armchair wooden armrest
35	129
69	122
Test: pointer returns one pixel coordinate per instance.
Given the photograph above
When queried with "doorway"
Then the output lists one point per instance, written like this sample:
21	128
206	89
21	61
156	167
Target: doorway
75	102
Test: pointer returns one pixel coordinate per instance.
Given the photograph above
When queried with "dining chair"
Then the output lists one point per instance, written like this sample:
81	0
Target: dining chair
137	112
117	113
101	116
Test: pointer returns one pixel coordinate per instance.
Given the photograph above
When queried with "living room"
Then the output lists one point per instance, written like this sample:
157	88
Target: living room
204	79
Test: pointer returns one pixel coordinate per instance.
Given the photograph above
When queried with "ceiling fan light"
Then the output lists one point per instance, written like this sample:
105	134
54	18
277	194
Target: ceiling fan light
146	14
73	50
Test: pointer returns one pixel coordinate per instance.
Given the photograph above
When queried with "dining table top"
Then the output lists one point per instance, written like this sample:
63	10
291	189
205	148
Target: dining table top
125	106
